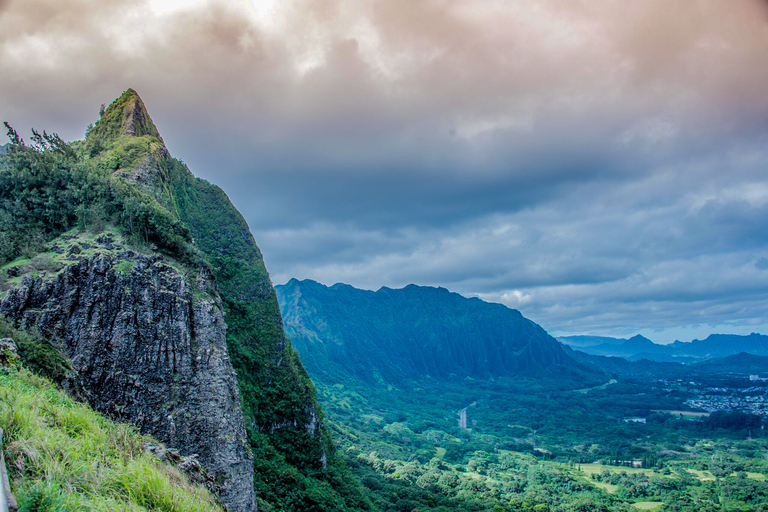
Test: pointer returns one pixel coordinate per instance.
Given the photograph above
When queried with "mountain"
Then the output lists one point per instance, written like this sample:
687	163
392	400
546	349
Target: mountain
149	281
616	347
619	366
741	364
417	332
583	341
722	345
638	347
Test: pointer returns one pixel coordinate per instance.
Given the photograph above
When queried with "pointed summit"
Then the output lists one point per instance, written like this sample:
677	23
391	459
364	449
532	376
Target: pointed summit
127	115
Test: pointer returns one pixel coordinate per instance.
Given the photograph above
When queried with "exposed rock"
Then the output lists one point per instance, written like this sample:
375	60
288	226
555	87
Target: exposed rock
189	465
147	347
8	352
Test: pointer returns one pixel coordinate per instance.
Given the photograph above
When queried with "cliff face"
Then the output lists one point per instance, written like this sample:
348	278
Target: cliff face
147	345
281	403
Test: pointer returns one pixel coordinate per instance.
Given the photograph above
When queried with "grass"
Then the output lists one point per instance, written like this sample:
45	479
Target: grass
63	456
591	469
648	505
703	476
689	415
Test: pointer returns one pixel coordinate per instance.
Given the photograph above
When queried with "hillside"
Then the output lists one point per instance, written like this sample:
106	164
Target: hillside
740	364
66	457
113	239
416	332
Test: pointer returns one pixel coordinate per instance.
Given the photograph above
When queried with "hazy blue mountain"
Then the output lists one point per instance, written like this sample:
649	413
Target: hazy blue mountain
4	149
416	332
662	358
639	347
583	341
722	345
619	366
741	363
634	345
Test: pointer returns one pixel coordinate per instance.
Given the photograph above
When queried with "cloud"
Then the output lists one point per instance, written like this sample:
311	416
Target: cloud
588	162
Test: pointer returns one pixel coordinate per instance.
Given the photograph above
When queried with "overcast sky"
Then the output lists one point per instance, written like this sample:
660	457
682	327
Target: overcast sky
600	165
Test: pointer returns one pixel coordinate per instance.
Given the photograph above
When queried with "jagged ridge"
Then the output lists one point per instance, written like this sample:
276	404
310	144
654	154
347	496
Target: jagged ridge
415	332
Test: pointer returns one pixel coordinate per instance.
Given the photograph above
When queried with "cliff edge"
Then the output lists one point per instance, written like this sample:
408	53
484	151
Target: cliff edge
147	345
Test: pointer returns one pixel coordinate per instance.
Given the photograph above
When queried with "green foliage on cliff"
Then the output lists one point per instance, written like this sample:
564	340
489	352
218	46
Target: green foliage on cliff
36	352
66	457
45	191
127	115
284	419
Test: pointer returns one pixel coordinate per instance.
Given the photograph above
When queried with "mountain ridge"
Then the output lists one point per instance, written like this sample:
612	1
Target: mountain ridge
415	332
639	347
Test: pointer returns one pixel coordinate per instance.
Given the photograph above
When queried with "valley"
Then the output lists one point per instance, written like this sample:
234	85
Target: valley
617	435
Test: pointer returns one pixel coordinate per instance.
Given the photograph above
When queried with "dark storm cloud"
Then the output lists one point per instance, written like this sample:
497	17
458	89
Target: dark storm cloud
600	165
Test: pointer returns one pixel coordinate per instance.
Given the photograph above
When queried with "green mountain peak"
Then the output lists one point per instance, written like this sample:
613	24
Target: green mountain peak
127	115
127	143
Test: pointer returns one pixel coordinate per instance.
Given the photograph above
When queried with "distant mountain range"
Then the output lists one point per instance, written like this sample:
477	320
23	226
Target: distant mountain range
639	347
741	364
417	332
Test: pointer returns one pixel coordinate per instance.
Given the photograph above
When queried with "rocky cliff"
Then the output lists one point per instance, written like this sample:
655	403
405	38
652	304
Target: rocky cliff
147	342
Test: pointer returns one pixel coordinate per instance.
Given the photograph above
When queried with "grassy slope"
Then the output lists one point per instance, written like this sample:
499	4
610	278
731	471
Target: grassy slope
63	456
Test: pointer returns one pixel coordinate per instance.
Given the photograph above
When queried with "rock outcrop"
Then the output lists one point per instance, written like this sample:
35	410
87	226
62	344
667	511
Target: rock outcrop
147	341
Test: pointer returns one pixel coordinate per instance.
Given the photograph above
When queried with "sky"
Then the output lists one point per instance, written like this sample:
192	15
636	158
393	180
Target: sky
599	165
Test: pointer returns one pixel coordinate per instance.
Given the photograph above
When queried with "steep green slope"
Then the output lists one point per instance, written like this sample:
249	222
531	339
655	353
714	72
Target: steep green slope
123	175
418	332
287	430
66	457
